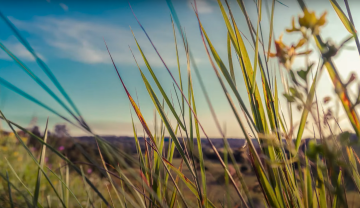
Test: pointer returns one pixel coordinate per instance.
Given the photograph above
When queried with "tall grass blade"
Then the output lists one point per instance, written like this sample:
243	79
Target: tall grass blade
231	67
305	112
352	22
16	189
340	88
144	124
66	185
31	98
9	191
37	80
271	28
160	87
16	175
41	63
121	203
160	110
41	161
256	46
10	123
347	23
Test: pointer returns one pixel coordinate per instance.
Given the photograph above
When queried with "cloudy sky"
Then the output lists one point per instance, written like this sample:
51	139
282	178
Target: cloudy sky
68	36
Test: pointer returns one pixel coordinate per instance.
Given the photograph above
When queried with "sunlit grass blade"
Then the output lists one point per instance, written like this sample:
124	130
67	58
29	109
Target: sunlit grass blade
164	119
335	202
138	148
121	203
246	67
201	84
145	126
352	22
66	186
160	87
353	167
225	71
174	193
271	28
305	112
41	162
259	165
231	67
266	186
320	184
200	152
348	25
309	184
178	64
191	186
259	6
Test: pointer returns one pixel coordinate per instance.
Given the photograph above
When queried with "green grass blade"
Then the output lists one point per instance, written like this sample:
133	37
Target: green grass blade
321	185
121	203
256	47
66	185
86	187
144	124
42	64
42	160
164	119
352	22
335	202
178	64
159	86
16	175
225	72
244	61
16	189
231	67
200	152
10	123
271	28
32	99
305	112
348	25
37	80
9	191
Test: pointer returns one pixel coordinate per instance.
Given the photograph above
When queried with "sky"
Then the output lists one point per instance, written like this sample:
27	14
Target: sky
68	36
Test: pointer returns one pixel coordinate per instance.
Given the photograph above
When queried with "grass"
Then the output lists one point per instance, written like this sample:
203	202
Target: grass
284	173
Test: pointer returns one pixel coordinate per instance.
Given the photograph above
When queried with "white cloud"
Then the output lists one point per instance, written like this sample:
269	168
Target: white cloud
18	50
82	40
203	6
64	7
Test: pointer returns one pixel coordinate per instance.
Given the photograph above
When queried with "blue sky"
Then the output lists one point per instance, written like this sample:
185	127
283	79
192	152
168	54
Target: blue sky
68	35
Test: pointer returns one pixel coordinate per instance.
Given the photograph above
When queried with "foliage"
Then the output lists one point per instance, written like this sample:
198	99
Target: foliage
288	173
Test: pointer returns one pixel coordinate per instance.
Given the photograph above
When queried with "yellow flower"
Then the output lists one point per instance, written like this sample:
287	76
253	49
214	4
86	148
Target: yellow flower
310	21
15	153
287	54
